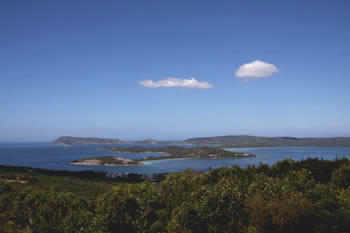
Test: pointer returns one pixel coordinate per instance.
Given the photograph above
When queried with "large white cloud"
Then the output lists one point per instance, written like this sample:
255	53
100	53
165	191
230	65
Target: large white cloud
255	70
176	82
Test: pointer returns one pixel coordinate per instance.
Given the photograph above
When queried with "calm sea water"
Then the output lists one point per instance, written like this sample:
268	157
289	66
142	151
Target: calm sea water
45	155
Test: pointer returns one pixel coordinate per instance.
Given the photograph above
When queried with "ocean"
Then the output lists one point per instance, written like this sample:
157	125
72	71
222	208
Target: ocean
57	157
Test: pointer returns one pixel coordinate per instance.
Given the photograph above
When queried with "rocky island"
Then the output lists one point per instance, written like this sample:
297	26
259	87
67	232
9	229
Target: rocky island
106	161
169	152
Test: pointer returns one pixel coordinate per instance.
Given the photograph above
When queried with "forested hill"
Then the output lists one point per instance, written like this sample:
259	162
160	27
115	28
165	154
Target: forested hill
253	141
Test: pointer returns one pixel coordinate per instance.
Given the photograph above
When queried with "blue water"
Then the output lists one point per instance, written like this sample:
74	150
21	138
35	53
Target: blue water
45	155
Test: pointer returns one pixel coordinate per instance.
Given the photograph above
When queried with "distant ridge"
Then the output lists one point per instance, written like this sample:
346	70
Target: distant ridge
254	141
147	141
222	141
69	140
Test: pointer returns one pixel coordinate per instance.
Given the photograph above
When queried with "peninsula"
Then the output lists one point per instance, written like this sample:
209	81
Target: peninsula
169	152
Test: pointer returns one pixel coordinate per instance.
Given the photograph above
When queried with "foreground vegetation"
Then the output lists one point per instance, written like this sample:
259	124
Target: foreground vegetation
305	196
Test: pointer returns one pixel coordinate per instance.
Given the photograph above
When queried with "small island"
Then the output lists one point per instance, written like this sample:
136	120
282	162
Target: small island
169	152
106	161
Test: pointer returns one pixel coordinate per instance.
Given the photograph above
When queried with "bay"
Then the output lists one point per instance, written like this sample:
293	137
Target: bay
57	157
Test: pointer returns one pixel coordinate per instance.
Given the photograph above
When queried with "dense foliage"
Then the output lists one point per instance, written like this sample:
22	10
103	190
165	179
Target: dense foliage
306	196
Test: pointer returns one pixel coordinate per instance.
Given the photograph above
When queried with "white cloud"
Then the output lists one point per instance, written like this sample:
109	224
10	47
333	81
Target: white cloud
255	70
176	82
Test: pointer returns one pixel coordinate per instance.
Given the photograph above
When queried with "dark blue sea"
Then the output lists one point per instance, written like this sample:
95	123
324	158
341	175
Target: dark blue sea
46	155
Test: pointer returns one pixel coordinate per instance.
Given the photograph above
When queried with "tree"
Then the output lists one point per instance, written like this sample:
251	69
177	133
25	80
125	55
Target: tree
128	208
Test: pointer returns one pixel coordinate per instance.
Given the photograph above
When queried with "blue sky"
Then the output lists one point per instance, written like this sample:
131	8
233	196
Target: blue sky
76	68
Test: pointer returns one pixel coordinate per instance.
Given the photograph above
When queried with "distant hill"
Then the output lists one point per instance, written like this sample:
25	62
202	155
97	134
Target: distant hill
253	141
68	140
147	141
223	141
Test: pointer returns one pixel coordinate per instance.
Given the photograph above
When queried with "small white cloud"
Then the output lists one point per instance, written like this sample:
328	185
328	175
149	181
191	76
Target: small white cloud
176	82
255	70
